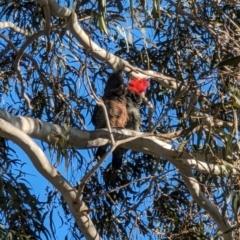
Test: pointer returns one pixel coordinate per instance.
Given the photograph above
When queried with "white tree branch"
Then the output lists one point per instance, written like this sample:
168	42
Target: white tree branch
14	27
78	209
150	145
101	54
194	189
82	139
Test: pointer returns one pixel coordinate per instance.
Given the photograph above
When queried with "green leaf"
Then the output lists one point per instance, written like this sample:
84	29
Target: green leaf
236	205
123	33
231	196
102	25
230	61
119	5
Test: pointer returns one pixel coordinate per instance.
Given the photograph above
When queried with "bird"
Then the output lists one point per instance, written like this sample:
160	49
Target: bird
122	103
135	94
114	98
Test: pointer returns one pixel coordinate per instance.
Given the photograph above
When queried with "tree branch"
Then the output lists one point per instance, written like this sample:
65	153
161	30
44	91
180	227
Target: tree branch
195	190
15	28
82	139
101	54
34	62
183	161
26	44
41	163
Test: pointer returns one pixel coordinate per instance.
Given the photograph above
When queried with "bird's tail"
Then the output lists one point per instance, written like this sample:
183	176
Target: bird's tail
100	152
117	158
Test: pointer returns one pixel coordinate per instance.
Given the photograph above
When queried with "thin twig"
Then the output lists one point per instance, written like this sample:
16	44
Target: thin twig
118	188
101	104
26	44
93	170
178	96
149	186
35	64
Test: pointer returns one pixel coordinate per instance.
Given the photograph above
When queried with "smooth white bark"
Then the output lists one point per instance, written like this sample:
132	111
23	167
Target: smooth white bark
78	209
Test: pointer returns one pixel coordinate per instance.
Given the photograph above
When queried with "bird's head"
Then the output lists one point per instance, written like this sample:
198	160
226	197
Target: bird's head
138	85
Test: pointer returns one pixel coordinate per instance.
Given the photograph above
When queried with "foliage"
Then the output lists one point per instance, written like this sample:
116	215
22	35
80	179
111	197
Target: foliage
191	41
22	214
